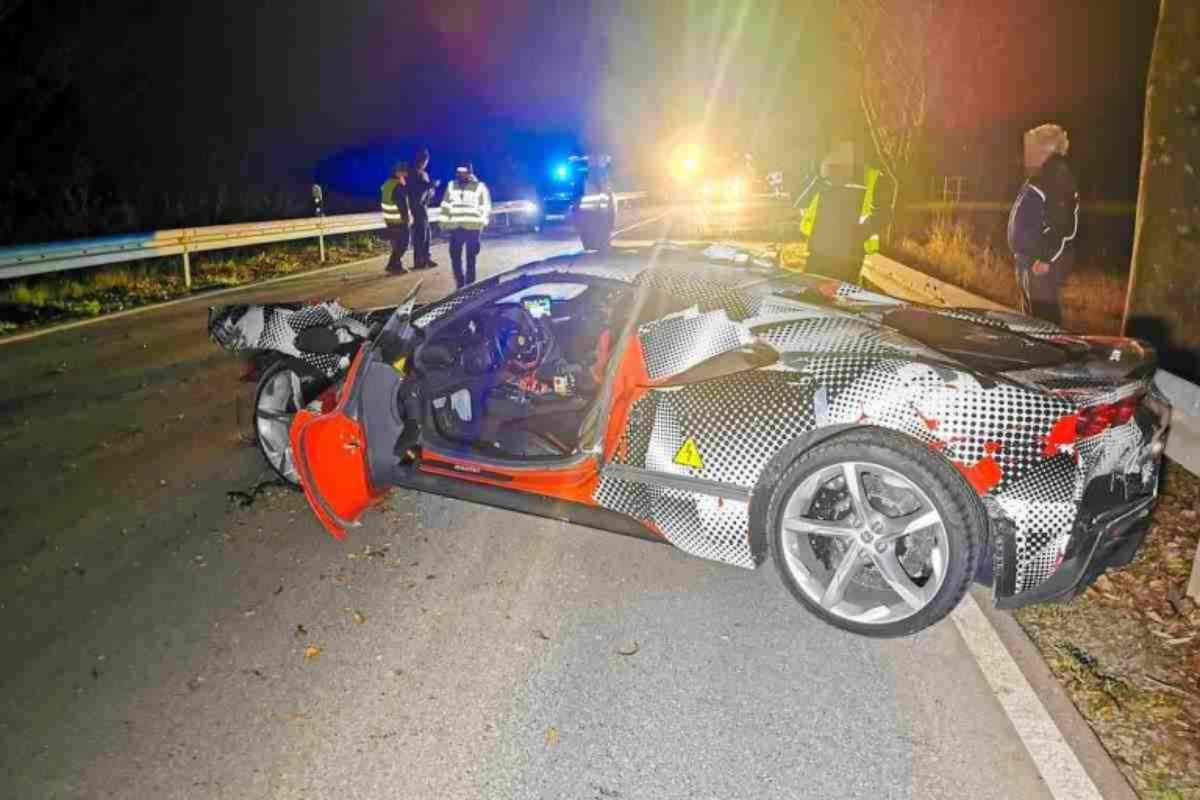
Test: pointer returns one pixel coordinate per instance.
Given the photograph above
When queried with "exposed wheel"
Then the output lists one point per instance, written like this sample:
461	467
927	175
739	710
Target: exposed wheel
595	227
281	392
594	235
874	533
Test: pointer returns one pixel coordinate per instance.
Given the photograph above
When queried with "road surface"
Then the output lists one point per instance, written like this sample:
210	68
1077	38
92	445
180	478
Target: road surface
163	641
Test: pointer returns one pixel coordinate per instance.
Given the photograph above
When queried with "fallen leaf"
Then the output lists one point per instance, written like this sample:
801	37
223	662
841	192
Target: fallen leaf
311	652
359	617
628	649
551	736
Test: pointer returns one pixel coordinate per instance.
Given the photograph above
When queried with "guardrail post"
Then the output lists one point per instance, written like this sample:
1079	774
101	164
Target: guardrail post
187	270
321	237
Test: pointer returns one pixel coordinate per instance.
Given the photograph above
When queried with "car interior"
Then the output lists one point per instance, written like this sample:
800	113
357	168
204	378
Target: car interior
515	377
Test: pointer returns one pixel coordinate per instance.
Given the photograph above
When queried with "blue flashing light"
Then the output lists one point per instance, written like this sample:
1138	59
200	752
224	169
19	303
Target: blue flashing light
562	172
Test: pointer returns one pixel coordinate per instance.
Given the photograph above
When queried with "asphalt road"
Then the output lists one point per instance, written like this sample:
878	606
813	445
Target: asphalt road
162	641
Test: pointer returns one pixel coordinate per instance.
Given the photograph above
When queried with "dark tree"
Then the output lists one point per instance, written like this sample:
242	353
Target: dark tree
1164	282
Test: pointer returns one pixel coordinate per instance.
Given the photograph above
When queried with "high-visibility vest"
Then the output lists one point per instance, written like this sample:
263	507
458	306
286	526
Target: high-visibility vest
809	220
392	213
467	207
871	245
871	180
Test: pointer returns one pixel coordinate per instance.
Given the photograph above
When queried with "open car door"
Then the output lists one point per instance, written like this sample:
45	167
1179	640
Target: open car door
341	475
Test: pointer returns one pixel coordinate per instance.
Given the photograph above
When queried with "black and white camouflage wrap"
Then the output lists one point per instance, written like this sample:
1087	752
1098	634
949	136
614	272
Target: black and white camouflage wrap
838	365
274	327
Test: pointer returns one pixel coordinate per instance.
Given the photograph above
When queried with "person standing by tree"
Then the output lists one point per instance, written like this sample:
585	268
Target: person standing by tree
420	190
1043	222
466	207
393	200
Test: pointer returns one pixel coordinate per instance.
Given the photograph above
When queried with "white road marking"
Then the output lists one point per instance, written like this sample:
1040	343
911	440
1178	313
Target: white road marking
1064	775
643	222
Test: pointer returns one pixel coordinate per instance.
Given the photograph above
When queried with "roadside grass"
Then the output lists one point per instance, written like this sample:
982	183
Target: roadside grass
26	303
1128	651
1093	297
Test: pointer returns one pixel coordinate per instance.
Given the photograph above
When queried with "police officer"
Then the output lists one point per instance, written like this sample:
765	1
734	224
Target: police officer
840	218
466	207
393	200
1043	222
420	190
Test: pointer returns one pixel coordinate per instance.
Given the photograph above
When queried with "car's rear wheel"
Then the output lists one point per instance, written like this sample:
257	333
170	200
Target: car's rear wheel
874	533
282	391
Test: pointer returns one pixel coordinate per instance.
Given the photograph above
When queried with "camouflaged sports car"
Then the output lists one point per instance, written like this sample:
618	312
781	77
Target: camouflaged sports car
882	454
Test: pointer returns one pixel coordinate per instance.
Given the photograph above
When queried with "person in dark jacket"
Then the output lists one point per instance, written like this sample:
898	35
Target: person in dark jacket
1044	222
420	191
393	201
841	219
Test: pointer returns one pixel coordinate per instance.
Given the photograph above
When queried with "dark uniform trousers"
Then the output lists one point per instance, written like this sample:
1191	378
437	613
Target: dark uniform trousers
461	238
397	234
1040	293
420	236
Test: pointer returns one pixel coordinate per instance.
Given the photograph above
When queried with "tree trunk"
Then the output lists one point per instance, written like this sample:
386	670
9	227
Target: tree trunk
1163	301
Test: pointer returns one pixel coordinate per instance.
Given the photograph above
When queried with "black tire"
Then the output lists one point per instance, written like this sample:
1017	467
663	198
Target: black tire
962	514
595	227
311	386
594	235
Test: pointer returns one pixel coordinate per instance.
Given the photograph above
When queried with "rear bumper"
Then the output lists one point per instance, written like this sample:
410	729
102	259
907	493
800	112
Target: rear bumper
1109	539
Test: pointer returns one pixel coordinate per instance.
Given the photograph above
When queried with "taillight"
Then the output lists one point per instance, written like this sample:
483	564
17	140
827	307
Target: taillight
1097	419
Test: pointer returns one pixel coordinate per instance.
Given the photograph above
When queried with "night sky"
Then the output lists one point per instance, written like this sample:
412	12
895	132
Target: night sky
174	99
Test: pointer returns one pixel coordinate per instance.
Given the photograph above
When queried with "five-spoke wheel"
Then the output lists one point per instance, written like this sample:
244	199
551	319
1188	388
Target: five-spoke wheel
875	533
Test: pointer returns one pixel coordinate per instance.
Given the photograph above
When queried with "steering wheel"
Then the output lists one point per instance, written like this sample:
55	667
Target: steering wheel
519	339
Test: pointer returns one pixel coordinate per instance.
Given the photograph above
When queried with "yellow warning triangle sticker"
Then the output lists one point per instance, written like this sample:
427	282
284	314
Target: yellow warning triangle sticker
689	455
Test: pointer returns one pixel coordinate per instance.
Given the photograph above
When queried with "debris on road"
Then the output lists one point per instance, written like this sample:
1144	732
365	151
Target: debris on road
369	552
628	649
539	633
312	652
358	617
247	498
552	736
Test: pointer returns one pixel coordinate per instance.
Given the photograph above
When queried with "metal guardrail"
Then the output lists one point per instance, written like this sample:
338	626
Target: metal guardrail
42	259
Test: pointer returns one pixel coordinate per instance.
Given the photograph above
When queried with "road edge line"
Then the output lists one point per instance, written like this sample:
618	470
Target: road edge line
129	312
1061	770
663	215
